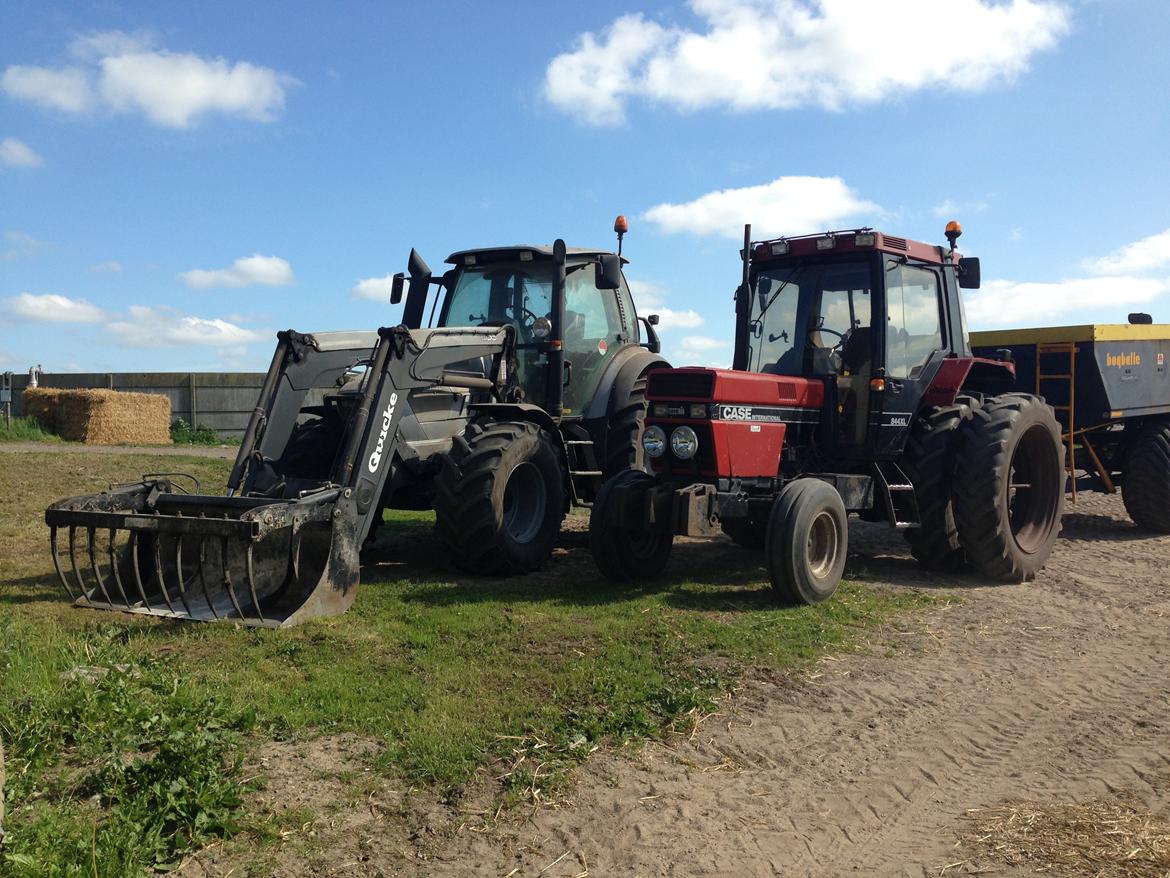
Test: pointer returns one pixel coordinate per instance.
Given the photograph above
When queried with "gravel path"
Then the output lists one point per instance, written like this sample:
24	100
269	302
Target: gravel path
1055	690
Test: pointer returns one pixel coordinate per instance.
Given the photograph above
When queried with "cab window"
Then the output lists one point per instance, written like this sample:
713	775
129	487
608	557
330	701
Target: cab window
913	328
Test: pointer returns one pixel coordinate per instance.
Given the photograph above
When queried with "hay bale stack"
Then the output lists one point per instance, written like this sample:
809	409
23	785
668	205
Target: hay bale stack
40	403
108	417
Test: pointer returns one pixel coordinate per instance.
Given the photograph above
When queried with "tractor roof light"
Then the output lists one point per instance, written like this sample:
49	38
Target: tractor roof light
525	255
865	239
828	242
469	259
779	248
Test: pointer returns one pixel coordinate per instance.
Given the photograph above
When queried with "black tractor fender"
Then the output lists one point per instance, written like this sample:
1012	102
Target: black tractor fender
628	365
519	411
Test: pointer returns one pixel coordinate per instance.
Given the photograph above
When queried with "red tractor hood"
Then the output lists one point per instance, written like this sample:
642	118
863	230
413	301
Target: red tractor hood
729	386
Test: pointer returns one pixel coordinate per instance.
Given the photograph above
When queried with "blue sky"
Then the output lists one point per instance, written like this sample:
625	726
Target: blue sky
179	181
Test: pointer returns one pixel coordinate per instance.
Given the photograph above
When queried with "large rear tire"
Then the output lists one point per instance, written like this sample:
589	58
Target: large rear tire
1009	486
623	441
621	553
499	498
808	542
929	462
1145	483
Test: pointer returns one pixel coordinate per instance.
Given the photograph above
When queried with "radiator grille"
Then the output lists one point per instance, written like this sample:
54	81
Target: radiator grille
685	385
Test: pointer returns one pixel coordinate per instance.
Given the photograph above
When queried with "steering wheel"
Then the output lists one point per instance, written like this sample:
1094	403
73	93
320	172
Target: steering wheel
840	335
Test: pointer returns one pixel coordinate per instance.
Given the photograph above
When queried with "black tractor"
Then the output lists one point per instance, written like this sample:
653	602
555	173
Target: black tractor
571	410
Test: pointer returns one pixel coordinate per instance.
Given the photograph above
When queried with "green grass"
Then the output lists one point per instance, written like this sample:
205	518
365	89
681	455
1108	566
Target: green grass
183	433
446	672
25	430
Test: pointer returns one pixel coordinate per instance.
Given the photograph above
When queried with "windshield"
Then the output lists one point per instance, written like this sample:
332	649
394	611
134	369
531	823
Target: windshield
496	294
802	314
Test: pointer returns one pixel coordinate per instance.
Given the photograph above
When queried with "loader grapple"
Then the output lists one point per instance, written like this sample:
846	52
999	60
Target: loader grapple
282	545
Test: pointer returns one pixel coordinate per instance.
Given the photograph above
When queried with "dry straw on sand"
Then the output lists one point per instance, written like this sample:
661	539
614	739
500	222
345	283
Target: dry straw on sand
101	417
1109	839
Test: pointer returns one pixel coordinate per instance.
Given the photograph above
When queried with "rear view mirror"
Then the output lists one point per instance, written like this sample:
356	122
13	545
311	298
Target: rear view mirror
652	319
609	272
969	272
396	288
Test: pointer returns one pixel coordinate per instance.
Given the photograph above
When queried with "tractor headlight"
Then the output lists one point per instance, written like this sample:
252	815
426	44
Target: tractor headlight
654	441
684	443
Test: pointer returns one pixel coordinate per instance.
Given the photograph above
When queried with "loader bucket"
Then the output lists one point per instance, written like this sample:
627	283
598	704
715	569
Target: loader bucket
149	549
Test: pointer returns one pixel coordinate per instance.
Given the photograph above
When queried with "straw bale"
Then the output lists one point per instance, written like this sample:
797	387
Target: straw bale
111	417
40	403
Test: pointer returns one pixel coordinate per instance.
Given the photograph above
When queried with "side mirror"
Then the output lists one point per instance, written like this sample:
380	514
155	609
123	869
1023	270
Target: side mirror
396	288
609	272
969	272
652	319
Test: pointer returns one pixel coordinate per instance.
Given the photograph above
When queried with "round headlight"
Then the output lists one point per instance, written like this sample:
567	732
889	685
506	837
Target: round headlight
684	443
654	441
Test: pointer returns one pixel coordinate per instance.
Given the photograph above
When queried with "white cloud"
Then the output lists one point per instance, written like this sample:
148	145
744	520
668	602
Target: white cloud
783	54
787	205
20	245
113	266
147	327
51	308
376	288
650	297
1143	255
1009	303
700	350
18	154
254	270
65	88
172	89
951	208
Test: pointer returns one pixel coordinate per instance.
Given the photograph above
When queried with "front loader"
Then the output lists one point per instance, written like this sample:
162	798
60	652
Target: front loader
341	417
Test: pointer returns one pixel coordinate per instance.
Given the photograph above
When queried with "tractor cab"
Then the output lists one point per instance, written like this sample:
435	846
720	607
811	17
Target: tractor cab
872	316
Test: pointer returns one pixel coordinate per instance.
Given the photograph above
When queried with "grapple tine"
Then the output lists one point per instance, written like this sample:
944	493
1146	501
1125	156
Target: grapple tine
179	572
114	569
203	578
252	585
227	578
57	562
158	572
295	556
93	563
133	550
73	563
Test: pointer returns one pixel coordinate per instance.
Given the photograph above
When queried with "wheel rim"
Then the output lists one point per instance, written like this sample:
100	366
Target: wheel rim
1033	478
644	545
525	499
821	549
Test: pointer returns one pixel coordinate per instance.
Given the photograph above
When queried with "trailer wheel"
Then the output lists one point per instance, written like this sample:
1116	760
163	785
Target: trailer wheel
1145	485
623	442
747	533
622	553
808	540
499	498
1008	489
929	462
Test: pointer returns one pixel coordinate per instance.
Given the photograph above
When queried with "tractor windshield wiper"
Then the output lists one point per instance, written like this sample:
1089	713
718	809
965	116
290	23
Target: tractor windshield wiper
795	274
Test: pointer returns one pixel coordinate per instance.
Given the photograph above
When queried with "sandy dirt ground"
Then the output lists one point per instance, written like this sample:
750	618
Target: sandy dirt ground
1051	691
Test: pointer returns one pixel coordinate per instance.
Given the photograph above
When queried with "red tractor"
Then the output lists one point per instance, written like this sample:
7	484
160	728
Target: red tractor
853	390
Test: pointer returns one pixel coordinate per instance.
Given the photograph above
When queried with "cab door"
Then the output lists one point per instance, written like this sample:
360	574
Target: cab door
913	349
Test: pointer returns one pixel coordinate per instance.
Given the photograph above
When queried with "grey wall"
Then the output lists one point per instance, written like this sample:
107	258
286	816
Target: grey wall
220	400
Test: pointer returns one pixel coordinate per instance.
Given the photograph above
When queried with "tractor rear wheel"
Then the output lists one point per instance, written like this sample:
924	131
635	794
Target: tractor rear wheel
1145	485
623	441
622	553
808	541
500	498
1008	488
929	462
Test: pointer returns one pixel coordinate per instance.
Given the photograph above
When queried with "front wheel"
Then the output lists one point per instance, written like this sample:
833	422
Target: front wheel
807	542
1145	482
499	498
622	553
